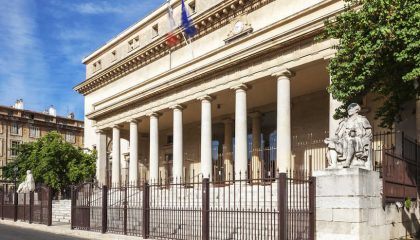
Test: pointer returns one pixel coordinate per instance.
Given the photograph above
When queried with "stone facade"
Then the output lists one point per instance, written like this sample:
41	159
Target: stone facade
21	126
180	110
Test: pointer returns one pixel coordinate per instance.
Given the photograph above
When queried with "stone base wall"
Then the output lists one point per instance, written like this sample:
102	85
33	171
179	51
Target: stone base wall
349	207
61	211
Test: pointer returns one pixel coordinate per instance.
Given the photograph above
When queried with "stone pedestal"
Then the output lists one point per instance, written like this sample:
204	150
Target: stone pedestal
349	205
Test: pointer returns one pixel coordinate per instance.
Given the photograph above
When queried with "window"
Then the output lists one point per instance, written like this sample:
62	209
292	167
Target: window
34	132
192	7
14	148
97	66
15	129
133	43
155	29
70	137
114	55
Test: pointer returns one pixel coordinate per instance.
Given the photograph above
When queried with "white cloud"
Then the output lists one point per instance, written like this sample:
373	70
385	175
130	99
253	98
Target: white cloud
98	8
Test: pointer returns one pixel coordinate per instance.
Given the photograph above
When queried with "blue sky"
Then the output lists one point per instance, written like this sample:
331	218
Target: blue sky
42	43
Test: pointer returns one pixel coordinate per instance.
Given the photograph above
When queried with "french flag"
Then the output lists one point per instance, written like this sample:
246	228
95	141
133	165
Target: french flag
187	26
171	39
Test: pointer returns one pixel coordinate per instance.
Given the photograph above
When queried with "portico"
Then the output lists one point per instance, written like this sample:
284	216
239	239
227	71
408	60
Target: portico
240	132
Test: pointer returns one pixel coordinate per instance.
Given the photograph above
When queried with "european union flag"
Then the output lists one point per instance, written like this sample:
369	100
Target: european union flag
189	29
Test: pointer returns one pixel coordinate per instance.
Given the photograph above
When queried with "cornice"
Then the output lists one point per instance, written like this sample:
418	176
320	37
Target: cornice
211	20
278	42
214	66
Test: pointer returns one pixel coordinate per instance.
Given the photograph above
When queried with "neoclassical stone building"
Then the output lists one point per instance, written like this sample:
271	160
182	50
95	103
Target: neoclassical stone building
247	94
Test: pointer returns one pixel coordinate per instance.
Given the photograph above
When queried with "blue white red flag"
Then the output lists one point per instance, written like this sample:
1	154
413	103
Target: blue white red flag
171	39
188	28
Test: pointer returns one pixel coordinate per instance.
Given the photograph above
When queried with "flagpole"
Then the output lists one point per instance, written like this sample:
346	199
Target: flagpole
188	44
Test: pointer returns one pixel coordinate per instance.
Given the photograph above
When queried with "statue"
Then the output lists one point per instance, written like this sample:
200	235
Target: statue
28	185
352	141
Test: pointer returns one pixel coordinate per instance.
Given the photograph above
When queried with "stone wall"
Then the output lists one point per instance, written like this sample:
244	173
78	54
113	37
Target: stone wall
349	206
61	211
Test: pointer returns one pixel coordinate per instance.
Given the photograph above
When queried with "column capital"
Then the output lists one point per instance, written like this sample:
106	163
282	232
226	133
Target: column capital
255	114
228	120
206	98
99	131
154	114
178	107
241	86
117	126
283	73
134	120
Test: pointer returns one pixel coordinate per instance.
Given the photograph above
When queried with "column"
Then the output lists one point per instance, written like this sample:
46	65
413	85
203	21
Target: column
101	161
284	138
178	152
206	135
154	148
333	123
133	174
227	149
241	146
256	166
116	162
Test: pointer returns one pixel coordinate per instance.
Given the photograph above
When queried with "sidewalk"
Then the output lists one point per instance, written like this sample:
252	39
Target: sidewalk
64	229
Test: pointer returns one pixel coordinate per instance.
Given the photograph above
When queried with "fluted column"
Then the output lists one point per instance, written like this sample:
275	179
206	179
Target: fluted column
101	160
241	132
154	148
116	156
284	138
178	152
256	166
206	135
227	149
134	146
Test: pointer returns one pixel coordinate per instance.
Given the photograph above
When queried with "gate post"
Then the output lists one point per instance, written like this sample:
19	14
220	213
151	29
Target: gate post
72	207
205	232
146	211
49	222
31	206
104	209
15	204
312	207
282	205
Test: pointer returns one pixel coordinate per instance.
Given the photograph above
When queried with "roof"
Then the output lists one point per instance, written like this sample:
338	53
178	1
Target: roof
41	113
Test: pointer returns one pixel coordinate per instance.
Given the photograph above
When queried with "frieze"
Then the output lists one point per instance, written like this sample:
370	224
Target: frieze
215	18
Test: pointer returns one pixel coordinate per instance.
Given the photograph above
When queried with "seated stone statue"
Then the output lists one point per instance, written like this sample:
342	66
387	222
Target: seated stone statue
352	141
28	185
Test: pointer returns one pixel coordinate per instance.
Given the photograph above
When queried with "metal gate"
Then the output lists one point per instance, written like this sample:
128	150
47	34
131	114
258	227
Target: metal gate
88	207
29	207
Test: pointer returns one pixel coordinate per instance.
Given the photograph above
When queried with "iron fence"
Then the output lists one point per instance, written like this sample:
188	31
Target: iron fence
401	171
279	207
33	207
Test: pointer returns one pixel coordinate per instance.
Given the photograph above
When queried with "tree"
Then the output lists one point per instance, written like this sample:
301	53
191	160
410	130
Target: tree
53	162
378	52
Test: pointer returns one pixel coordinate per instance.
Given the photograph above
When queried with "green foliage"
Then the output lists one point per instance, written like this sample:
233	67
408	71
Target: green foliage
407	203
378	52
53	162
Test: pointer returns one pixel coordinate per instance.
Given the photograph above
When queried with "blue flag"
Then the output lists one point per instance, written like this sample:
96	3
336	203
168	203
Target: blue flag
189	29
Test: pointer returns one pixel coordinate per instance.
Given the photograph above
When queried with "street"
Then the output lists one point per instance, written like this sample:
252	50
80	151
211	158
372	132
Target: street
16	233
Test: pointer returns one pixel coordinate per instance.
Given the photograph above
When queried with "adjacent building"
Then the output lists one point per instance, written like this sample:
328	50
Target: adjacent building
18	125
246	95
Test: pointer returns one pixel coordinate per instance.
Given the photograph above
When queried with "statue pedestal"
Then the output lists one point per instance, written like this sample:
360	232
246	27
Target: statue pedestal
347	203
